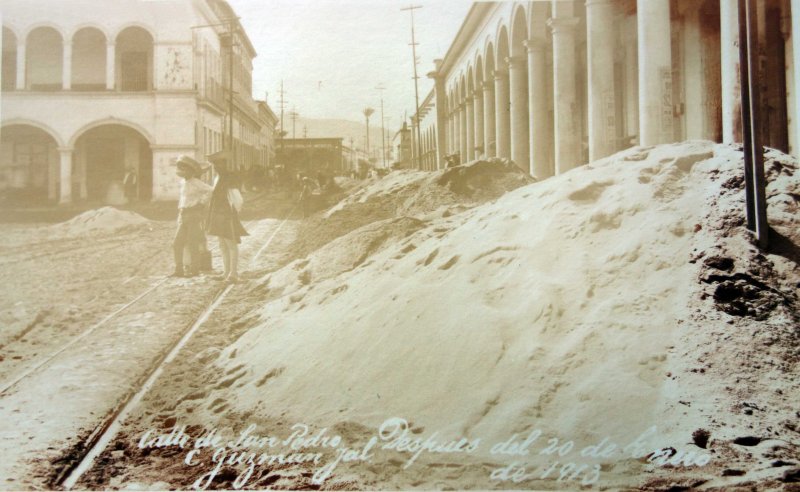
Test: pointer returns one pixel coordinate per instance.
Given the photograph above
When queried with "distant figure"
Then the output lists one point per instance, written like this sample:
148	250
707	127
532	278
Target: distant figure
307	195
131	184
223	215
191	204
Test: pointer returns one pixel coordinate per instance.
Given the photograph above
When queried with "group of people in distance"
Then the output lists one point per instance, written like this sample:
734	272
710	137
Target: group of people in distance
202	209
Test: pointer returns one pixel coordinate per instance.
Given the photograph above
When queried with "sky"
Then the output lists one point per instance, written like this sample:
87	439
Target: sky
332	54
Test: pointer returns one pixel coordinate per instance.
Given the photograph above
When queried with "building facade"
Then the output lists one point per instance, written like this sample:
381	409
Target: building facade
93	91
402	148
557	83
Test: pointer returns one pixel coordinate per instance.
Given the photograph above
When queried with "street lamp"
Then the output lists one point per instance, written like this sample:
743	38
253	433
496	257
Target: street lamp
367	113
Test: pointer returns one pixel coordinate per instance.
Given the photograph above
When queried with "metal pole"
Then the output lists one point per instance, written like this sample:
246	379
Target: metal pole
744	78
755	184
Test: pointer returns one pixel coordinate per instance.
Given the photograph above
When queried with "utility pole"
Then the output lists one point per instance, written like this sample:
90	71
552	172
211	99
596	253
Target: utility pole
283	105
231	148
380	89
227	40
412	8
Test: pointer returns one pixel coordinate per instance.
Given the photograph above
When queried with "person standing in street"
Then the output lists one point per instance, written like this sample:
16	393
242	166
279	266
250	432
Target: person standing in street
130	184
194	195
223	214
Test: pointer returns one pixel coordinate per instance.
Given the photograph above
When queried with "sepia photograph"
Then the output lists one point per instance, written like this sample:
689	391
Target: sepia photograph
400	245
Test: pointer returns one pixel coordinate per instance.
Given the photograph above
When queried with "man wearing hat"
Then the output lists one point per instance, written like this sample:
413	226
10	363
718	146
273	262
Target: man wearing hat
191	205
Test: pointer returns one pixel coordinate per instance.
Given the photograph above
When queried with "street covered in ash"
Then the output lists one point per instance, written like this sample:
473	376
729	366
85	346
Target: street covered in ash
611	327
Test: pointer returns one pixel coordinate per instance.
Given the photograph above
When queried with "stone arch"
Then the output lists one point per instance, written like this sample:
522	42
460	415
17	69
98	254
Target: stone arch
128	25
106	153
489	65
36	124
44	58
519	32
89	59
29	172
29	29
502	50
501	32
134	59
9	74
110	121
90	25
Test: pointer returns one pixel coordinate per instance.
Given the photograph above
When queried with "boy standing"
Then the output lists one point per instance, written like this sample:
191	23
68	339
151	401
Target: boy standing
191	206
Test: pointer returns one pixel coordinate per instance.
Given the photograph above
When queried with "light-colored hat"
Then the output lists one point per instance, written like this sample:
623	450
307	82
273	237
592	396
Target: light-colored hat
223	157
190	164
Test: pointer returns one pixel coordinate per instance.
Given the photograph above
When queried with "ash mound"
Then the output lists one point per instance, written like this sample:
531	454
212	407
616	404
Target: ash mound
618	296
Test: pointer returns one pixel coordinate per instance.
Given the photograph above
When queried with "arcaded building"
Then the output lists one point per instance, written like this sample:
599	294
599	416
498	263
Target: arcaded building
557	83
94	90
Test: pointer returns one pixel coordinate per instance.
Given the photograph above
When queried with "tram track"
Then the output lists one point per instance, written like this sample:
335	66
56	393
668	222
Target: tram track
105	431
8	385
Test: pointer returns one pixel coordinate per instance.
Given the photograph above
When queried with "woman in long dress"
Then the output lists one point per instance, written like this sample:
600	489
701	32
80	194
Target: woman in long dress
223	215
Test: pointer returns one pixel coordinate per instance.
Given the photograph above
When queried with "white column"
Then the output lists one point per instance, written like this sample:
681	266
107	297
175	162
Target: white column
441	131
655	72
518	94
565	97
21	66
66	66
488	119
450	133
729	66
462	129
631	81
477	111
456	131
601	42
111	65
470	129
539	133
66	175
502	120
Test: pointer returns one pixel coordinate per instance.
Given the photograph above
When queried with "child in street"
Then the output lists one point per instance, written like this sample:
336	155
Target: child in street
191	205
223	214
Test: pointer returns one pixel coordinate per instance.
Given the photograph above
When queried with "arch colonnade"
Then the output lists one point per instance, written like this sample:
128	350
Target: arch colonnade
553	84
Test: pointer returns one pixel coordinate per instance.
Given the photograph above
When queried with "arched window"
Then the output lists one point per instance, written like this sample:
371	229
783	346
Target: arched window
9	60
134	60
89	60
44	59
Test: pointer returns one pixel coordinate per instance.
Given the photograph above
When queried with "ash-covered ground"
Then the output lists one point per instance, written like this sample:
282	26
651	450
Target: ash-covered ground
613	327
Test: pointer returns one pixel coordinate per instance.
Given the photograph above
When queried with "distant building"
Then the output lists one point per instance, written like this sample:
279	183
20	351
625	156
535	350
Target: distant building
313	155
95	90
265	148
401	148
